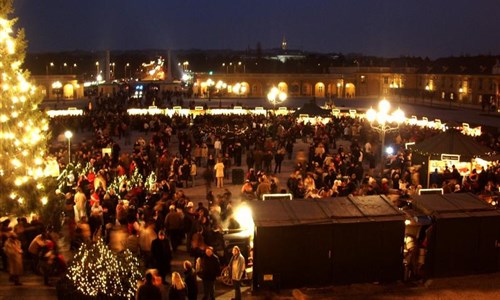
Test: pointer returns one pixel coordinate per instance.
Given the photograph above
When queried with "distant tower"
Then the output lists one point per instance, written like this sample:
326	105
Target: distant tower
283	43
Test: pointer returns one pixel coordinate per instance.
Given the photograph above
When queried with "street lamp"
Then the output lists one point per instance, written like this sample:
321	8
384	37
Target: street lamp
97	67
125	71
68	134
210	84
244	67
112	65
383	122
47	67
275	96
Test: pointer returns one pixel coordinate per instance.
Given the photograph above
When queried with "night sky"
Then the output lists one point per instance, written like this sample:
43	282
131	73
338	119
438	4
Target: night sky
390	28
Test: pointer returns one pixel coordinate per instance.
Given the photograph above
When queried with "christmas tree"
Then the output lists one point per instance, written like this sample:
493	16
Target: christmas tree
98	272
23	127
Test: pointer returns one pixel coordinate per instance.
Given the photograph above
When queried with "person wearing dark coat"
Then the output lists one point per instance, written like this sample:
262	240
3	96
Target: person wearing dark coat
161	252
208	268
190	280
148	291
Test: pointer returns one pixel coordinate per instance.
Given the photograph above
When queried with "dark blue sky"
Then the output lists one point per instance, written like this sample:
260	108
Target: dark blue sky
388	28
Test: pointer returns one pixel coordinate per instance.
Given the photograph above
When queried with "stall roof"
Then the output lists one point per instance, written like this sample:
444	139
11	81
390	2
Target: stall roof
453	205
452	142
324	211
313	110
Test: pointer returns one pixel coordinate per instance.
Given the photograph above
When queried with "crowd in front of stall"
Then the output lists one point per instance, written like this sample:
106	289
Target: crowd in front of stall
132	198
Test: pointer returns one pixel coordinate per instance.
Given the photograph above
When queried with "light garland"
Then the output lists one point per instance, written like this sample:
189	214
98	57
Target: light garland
23	131
96	270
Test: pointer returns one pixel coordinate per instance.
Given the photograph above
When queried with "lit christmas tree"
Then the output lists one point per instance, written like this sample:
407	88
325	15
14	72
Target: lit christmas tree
98	272
23	127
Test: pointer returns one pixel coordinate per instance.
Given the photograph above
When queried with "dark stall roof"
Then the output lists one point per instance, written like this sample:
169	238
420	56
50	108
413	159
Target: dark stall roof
452	142
323	211
453	205
313	110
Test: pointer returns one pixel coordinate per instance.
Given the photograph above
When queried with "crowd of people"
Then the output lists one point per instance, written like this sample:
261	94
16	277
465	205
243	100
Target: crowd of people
115	197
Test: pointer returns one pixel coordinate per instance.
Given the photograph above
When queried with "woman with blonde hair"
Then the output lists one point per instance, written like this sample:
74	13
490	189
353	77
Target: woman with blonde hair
178	289
190	279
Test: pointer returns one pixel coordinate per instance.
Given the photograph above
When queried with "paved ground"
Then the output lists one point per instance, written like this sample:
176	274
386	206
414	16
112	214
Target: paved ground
471	287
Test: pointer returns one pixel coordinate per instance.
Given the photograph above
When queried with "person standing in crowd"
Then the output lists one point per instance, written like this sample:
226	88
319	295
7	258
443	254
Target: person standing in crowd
219	173
12	248
178	289
174	224
148	291
190	280
161	254
80	204
208	268
236	271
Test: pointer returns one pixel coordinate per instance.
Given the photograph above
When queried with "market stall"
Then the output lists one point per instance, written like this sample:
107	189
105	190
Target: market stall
333	240
459	234
445	150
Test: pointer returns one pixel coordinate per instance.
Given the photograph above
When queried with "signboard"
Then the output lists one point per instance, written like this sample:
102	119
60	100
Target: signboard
283	108
106	150
237	108
177	107
267	277
198	108
277	197
454	157
409	144
152	107
430	191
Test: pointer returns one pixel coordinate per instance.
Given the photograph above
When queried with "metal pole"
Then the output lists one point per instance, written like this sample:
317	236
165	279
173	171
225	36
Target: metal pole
69	151
382	150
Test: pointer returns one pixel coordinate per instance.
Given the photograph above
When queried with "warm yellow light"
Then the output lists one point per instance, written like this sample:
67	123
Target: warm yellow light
44	200
384	106
3	118
243	215
68	134
11	47
371	115
16	163
56	85
398	116
282	96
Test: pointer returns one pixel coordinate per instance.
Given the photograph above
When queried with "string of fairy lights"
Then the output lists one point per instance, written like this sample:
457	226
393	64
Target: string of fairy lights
96	270
23	127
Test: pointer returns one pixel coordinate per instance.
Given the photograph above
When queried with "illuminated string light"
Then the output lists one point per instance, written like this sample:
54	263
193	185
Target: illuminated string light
97	271
24	128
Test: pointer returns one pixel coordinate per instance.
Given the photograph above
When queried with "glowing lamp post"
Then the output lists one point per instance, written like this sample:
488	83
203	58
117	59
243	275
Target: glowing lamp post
68	134
383	122
210	84
275	96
